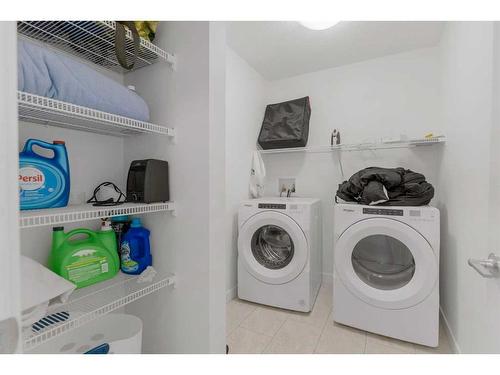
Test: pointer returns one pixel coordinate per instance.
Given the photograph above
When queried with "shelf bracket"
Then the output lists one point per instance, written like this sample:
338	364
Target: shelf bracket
172	281
172	61
174	211
173	136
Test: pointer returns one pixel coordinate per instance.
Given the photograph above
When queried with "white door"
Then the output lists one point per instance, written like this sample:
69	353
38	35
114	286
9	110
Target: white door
386	263
9	231
272	247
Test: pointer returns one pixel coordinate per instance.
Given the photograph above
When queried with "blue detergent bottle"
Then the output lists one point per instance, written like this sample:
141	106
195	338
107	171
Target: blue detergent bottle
135	252
43	181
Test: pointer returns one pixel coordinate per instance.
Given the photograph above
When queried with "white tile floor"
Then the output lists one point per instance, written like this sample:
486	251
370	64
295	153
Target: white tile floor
253	328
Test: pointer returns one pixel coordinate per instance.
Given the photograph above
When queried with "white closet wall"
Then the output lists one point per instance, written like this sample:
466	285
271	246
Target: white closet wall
182	320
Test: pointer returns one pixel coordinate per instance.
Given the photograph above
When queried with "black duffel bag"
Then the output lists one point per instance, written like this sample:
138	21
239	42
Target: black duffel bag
286	124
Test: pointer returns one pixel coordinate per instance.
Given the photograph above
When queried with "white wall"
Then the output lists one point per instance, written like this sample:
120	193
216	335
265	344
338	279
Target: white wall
189	99
245	104
468	184
384	97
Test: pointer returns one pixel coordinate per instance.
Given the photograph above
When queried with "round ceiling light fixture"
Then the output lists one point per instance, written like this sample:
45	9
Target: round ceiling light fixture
318	25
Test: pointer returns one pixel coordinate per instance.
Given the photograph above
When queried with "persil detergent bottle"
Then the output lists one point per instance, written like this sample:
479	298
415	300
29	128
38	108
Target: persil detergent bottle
43	181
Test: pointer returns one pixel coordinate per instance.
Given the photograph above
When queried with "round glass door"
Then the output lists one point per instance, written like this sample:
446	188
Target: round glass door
383	262
272	247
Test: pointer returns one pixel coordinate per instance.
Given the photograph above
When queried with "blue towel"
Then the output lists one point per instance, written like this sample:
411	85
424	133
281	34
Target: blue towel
57	76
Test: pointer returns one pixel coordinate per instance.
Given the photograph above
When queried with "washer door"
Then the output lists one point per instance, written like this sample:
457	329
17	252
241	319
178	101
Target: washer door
386	263
272	247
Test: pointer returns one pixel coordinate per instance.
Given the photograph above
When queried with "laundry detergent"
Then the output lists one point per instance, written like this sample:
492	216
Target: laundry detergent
43	181
84	256
135	250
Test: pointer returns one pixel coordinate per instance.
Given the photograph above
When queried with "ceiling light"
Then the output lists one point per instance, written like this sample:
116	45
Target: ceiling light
318	25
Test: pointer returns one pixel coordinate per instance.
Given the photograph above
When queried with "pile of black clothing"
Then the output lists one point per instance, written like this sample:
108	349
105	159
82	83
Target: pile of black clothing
386	186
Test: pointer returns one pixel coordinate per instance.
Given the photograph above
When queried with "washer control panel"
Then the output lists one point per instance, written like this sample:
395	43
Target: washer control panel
383	211
272	206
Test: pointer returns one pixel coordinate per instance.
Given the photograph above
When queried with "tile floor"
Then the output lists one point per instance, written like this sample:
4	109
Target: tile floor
253	328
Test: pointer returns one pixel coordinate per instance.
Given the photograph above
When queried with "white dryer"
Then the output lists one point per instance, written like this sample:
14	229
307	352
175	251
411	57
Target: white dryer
280	251
386	276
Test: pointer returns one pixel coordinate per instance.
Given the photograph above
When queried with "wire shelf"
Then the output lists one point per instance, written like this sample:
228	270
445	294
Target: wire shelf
46	111
92	302
93	41
360	146
71	214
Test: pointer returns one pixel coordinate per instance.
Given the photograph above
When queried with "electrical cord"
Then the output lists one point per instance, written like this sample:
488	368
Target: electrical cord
110	201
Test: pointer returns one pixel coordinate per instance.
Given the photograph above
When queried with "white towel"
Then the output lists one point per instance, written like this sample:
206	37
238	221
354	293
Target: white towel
257	176
39	288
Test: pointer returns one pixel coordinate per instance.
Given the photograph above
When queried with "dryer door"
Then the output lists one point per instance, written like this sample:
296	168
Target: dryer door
272	247
386	263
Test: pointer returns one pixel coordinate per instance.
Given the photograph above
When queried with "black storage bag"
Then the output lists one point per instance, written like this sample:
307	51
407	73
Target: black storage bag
286	124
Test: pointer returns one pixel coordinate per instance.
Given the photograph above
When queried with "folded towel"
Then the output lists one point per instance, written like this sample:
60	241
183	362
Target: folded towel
44	72
40	287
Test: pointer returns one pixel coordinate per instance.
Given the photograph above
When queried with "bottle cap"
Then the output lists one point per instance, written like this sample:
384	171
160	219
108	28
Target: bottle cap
120	219
136	223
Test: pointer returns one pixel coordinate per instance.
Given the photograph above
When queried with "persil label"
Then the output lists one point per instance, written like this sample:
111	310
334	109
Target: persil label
31	178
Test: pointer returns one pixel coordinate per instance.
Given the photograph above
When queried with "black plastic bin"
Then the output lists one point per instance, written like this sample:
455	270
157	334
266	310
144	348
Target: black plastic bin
286	124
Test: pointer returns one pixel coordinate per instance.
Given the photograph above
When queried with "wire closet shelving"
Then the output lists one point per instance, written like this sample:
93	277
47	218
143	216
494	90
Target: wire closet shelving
94	301
93	41
410	143
41	110
72	214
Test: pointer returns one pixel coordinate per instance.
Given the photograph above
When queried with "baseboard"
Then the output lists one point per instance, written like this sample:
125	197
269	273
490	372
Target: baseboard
449	332
231	294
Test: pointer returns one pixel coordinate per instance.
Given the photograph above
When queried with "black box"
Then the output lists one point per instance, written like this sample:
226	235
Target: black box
147	181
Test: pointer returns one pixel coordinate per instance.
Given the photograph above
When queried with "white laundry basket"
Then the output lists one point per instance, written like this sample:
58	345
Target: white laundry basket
122	332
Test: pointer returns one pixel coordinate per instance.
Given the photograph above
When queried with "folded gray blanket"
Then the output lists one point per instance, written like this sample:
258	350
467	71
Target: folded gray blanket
386	186
42	71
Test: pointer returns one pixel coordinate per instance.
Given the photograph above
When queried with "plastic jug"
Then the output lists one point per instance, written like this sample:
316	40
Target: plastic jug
87	260
43	182
135	251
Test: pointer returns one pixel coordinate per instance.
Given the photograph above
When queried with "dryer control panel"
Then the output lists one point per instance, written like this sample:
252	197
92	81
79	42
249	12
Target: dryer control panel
383	211
272	206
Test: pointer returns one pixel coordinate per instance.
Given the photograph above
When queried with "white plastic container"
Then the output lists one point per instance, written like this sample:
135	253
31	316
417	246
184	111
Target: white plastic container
122	332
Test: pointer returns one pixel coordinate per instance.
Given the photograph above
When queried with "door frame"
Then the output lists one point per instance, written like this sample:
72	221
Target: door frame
10	290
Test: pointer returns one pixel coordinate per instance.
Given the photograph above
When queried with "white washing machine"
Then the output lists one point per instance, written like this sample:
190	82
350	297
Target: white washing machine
280	251
386	276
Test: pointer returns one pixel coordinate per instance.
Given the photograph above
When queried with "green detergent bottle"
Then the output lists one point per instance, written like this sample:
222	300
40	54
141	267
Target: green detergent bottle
84	261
